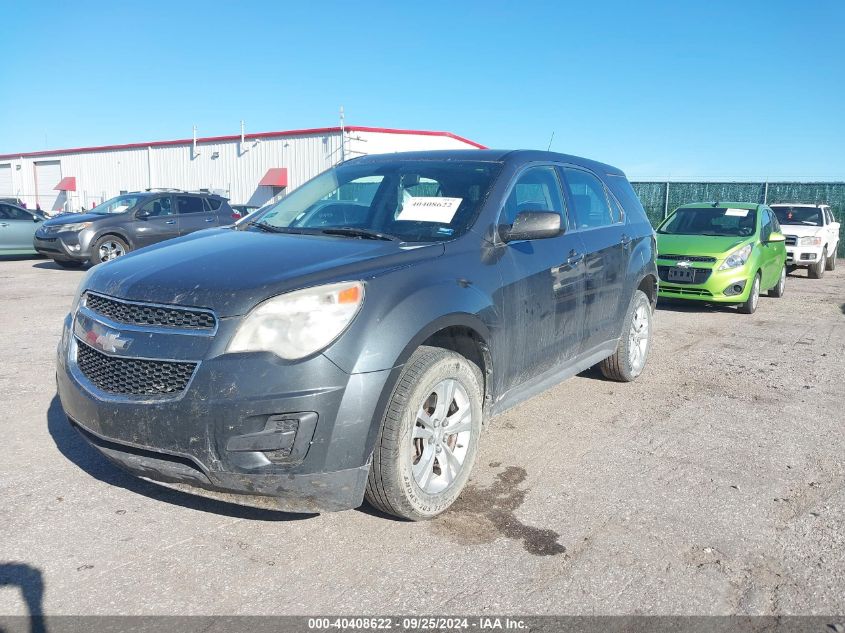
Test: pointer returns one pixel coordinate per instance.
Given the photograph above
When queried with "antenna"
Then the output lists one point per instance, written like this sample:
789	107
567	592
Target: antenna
550	141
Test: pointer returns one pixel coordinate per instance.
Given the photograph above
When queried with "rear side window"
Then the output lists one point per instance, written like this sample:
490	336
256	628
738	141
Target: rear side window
537	189
213	203
189	204
589	199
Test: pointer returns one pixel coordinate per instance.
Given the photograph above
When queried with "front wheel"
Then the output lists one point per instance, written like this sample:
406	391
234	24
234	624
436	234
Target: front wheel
830	263
428	439
628	361
816	271
779	289
749	306
107	248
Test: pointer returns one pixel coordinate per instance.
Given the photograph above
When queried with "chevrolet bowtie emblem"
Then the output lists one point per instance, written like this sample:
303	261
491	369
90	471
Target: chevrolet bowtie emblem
684	263
111	342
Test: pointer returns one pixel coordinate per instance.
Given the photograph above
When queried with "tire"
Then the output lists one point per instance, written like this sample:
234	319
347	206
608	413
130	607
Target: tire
830	262
629	359
816	271
399	482
779	288
791	269
68	263
107	248
749	306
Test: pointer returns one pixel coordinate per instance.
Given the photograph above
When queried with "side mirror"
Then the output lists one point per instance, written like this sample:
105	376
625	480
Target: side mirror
774	236
143	214
35	218
532	225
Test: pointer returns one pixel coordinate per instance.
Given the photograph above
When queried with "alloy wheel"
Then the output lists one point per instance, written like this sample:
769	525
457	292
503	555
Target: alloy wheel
110	250
638	338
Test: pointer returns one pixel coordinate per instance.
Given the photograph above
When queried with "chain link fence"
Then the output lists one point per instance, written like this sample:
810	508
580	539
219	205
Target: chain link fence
661	198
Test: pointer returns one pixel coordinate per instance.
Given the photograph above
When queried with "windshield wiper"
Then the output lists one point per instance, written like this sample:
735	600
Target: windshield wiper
366	234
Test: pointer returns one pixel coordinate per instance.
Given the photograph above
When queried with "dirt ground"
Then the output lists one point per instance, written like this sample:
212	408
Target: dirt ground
712	485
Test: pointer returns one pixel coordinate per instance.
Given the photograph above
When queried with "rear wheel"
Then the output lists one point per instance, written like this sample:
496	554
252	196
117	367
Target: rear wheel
749	306
629	359
778	290
107	248
428	440
830	263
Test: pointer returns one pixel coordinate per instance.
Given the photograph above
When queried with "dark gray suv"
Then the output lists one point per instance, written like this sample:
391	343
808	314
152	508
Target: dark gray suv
353	339
129	222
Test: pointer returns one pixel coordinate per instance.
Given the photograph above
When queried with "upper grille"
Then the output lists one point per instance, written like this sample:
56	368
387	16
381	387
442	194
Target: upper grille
689	258
791	240
133	377
150	315
700	275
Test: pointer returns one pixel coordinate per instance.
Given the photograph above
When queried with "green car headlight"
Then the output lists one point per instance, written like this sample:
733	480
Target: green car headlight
737	258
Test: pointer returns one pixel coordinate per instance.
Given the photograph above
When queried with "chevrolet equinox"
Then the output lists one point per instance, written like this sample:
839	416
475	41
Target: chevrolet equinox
353	340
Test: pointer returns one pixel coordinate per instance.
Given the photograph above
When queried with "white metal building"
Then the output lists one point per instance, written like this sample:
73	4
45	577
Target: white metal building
250	169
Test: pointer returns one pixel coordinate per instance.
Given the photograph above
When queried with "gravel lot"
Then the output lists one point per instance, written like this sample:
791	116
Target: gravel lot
713	485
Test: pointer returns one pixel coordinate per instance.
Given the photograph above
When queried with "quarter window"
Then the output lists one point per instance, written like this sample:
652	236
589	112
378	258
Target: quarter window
189	204
537	189
588	198
8	212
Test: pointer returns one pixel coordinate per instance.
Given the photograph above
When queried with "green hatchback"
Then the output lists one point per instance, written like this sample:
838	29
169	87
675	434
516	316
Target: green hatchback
721	252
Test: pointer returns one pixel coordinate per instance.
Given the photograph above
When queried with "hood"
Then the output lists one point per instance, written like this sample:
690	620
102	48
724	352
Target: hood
73	218
801	230
706	245
231	271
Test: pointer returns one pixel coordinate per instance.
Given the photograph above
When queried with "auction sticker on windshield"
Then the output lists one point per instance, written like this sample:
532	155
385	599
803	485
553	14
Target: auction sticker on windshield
740	213
429	209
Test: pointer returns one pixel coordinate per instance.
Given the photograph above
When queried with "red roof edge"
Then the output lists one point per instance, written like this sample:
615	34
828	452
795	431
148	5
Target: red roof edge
236	137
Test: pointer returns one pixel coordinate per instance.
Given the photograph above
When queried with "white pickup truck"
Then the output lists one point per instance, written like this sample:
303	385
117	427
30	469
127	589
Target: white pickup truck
812	236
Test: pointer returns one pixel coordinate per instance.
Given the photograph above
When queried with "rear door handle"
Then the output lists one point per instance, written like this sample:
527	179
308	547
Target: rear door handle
170	222
209	219
4	224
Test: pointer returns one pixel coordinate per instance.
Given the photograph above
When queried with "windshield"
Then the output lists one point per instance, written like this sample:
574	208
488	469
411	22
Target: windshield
412	201
716	221
117	205
806	216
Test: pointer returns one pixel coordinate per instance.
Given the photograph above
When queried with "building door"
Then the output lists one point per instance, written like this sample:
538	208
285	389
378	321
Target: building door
48	173
6	190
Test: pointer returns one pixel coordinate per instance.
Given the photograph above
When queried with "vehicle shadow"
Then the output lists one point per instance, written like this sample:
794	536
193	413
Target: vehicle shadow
20	258
78	451
670	305
30	581
51	265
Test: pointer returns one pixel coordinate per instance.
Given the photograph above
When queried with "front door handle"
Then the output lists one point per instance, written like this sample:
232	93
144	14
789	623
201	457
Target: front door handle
170	222
4	224
574	258
625	240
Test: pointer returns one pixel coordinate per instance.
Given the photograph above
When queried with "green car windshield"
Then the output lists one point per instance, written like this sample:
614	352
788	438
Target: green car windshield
715	221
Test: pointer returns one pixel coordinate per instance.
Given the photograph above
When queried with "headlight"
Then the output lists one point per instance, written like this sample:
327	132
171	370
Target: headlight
74	227
813	240
737	258
300	323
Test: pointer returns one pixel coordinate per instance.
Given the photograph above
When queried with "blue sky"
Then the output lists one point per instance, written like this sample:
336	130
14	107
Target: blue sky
715	89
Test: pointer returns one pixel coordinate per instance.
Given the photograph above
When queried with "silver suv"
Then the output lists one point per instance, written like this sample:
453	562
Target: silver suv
129	222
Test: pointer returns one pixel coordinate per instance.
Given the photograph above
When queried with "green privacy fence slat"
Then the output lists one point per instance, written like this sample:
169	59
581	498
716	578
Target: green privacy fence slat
654	199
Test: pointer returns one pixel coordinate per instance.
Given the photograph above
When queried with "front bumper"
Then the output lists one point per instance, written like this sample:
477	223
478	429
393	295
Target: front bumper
64	246
803	255
248	429
721	286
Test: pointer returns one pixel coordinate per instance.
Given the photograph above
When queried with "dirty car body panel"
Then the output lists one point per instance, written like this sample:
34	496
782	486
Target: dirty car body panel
259	429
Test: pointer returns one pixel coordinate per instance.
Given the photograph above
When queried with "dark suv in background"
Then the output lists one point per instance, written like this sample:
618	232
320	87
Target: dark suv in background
129	222
380	314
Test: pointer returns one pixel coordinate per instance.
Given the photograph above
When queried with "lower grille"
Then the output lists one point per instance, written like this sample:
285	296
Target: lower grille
133	377
700	275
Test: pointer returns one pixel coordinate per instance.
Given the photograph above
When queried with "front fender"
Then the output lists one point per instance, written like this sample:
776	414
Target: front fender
388	331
